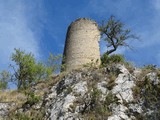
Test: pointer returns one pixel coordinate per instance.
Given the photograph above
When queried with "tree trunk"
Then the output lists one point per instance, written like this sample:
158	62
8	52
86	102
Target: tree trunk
110	51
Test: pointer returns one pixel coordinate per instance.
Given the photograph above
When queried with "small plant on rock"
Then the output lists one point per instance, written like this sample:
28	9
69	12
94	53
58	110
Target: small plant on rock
95	107
150	67
32	98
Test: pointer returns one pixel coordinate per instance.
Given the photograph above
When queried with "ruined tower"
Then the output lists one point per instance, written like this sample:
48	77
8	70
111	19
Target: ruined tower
81	46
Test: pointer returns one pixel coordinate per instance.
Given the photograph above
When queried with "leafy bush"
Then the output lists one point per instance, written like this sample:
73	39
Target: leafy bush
104	59
27	71
4	77
115	58
32	98
54	62
95	108
150	67
95	95
111	82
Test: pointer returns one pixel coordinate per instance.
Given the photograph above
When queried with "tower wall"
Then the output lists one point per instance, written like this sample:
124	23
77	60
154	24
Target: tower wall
81	45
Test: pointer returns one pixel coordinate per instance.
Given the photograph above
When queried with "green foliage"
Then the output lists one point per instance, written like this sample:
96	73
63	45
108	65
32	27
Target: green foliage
54	62
115	58
104	60
99	109
4	78
149	93
96	108
115	34
32	98
21	116
150	67
30	115
26	70
110	98
111	82
95	95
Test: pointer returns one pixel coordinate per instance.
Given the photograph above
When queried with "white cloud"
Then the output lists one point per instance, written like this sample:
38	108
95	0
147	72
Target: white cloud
15	29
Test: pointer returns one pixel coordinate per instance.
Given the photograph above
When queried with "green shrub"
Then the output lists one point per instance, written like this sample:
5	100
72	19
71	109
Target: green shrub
149	93
95	95
32	98
115	58
97	108
27	71
150	67
111	82
4	79
3	85
54	62
110	98
104	59
21	116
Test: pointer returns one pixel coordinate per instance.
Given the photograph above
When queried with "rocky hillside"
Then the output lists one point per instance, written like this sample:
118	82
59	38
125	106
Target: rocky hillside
114	92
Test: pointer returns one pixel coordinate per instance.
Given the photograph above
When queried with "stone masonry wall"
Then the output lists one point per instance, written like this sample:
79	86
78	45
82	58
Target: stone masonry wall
81	45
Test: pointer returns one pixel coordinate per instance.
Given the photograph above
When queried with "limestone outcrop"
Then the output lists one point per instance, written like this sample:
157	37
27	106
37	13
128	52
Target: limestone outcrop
115	92
62	101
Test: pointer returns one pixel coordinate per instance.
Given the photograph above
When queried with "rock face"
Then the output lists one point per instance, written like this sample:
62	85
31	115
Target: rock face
4	109
125	83
62	97
61	102
110	93
81	45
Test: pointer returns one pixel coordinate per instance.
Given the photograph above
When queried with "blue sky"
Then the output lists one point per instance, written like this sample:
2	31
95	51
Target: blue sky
39	26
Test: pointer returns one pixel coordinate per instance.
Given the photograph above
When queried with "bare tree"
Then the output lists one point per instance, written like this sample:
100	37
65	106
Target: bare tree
114	33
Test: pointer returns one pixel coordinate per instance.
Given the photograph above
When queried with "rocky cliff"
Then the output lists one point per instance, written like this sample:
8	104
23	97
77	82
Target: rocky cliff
115	92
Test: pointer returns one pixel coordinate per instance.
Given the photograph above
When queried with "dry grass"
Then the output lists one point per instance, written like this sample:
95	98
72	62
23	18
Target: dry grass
12	96
19	96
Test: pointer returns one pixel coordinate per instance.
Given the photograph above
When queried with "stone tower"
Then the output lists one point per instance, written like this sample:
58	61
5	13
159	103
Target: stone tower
81	46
